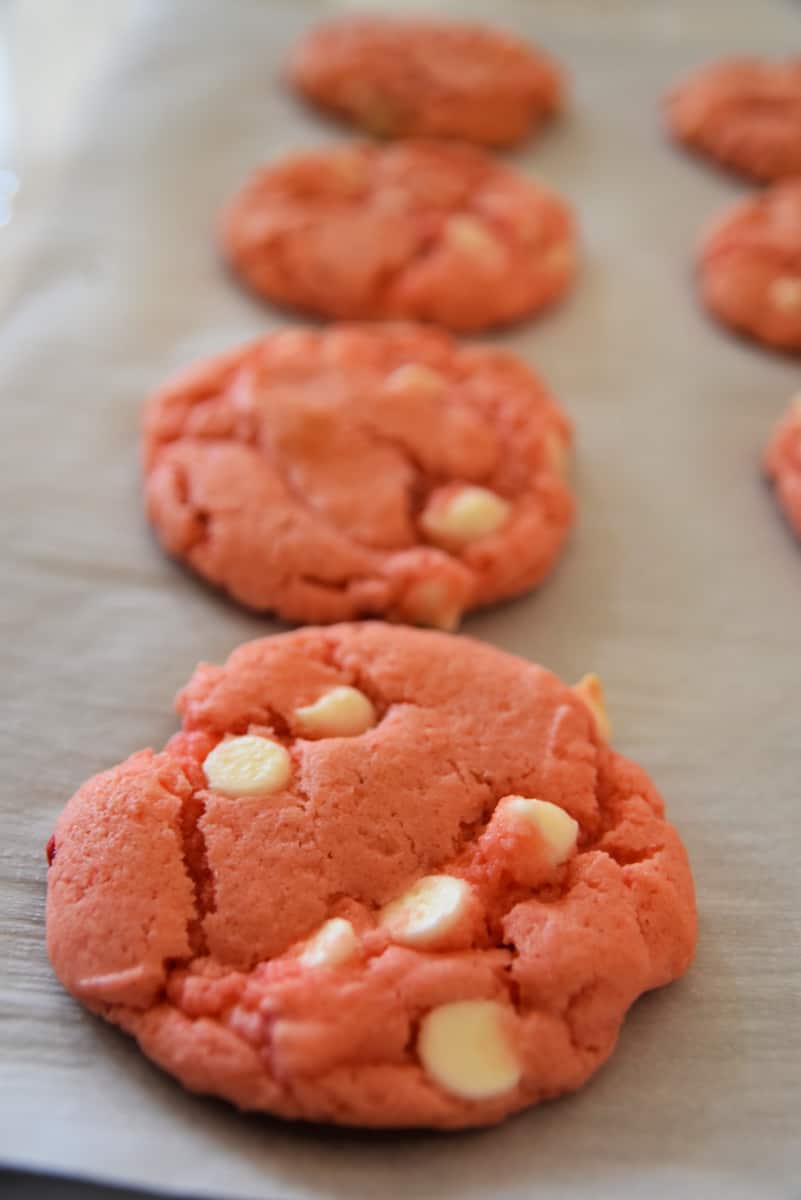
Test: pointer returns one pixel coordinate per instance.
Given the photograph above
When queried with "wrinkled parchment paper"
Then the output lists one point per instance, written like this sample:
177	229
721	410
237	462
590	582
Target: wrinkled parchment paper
681	586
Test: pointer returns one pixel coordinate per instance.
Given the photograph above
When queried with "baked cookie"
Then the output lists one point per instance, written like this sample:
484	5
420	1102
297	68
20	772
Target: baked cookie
360	471
745	114
421	230
381	877
750	267
783	463
397	78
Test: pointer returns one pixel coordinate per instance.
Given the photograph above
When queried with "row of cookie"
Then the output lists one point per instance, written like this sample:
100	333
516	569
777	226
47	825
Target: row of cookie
407	78
418	79
421	79
750	272
383	470
427	229
399	78
379	877
300	421
746	115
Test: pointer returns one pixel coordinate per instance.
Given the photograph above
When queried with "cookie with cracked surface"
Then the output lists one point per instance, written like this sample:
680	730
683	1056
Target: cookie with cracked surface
742	113
417	230
402	78
782	463
381	877
360	471
749	267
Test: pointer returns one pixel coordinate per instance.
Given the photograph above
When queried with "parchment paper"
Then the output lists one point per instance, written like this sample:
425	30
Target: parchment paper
681	586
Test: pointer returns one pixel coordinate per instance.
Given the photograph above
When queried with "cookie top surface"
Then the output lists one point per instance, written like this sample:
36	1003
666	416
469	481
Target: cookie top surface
360	471
750	266
398	78
783	463
744	114
420	230
382	876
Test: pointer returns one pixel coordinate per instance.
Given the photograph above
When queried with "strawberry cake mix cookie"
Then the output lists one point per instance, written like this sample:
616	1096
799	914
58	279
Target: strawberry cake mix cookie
360	471
783	463
750	267
381	877
745	114
423	230
397	78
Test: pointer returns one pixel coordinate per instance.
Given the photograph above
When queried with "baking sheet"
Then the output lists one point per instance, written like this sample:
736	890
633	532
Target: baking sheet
681	586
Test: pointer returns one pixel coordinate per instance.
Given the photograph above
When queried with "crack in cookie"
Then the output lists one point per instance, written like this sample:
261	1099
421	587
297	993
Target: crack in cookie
337	904
424	231
364	472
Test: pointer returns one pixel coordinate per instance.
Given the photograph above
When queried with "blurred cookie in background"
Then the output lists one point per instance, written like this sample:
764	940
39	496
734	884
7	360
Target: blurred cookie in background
782	463
744	114
749	267
397	78
420	230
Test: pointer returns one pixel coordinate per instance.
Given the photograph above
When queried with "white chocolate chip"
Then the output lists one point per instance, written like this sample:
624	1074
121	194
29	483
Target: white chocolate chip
472	236
334	943
428	912
414	378
341	712
428	603
556	452
247	766
464	515
556	828
464	1047
785	293
590	690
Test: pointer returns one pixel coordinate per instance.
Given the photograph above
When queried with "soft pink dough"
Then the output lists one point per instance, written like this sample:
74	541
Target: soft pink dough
292	472
176	912
364	232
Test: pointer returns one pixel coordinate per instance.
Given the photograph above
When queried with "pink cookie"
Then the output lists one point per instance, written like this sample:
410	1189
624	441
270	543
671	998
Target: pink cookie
744	113
423	230
381	877
360	471
783	463
399	78
750	267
